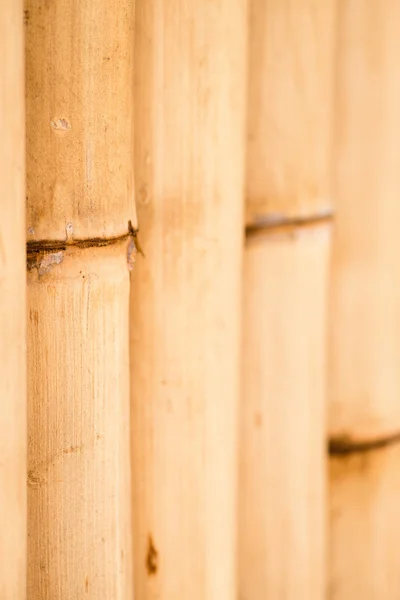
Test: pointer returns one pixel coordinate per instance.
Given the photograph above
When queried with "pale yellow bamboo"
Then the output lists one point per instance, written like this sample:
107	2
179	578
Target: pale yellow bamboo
364	380
12	307
364	372
80	198
364	513
190	87
282	473
290	100
282	494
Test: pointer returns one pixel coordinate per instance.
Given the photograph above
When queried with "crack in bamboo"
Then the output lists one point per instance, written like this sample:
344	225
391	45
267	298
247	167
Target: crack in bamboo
270	223
344	446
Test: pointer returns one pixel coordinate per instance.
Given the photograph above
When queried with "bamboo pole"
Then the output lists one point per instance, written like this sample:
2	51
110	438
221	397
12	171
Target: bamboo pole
189	103
12	307
282	467
364	380
80	198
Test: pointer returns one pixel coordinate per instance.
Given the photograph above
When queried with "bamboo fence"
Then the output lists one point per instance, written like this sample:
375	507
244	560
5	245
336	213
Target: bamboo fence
80	197
282	491
12	306
218	418
185	302
364	377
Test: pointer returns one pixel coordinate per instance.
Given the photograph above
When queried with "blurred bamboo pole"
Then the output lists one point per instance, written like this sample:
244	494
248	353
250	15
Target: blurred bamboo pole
12	306
189	154
79	62
364	380
282	468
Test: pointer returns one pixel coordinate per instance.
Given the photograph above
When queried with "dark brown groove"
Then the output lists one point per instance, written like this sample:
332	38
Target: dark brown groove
288	223
35	247
343	446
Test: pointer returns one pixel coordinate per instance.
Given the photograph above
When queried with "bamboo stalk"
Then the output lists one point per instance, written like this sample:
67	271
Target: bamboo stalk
282	468
364	378
190	88
282	501
364	544
12	307
80	198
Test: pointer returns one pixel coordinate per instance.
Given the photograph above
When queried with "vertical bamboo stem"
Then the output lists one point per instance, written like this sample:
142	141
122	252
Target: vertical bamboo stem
365	342
282	469
12	307
190	88
80	198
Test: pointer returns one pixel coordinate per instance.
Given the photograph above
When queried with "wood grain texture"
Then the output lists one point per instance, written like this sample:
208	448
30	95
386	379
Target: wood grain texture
290	105
12	306
79	81
282	449
364	544
79	475
365	330
185	303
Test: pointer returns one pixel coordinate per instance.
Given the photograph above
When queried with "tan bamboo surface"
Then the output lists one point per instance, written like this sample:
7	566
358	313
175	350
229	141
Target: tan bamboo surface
12	306
79	131
364	380
282	466
189	157
290	99
282	493
365	350
79	70
364	512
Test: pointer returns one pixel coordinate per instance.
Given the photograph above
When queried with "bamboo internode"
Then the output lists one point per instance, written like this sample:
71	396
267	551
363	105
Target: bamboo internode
12	306
365	342
185	305
282	475
282	491
364	375
79	70
290	103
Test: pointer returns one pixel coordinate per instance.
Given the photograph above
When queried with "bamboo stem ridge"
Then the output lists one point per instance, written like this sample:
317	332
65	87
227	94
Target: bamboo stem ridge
282	450
12	307
79	70
189	156
364	378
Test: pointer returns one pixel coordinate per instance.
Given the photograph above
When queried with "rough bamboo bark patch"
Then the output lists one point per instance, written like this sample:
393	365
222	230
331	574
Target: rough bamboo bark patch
282	479
364	382
189	103
80	194
364	507
365	349
12	307
282	501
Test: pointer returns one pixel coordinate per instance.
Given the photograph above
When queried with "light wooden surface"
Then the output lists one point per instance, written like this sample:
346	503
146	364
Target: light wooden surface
288	207
282	472
364	376
12	306
189	156
290	101
79	117
364	513
79	72
78	478
365	349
